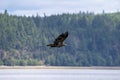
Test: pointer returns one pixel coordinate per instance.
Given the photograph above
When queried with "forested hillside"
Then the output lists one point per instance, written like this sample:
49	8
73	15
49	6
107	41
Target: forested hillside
94	39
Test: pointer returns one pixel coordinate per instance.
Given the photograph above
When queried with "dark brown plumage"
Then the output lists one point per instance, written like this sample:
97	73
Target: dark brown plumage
59	40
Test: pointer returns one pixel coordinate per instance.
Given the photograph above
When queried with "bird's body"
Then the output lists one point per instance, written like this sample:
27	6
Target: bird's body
59	40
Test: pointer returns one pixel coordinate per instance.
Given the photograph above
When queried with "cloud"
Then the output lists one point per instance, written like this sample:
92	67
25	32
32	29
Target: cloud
29	7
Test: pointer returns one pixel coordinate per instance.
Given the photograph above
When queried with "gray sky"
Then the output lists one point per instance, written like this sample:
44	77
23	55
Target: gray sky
32	7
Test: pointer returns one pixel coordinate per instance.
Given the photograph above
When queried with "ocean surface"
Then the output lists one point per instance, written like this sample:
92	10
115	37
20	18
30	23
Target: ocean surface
59	74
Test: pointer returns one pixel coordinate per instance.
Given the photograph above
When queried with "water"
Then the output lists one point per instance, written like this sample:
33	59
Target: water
59	74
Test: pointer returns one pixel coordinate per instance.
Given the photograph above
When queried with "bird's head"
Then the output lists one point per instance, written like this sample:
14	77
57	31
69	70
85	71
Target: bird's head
64	44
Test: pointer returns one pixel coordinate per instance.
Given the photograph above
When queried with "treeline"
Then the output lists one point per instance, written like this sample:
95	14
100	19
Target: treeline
94	39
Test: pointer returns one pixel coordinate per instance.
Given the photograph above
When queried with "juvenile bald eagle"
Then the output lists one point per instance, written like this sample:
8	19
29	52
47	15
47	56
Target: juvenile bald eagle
59	40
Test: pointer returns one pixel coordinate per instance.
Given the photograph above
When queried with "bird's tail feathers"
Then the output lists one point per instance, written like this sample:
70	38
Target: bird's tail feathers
49	44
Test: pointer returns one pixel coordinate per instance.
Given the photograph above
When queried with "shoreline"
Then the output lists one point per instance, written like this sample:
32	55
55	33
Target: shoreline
61	67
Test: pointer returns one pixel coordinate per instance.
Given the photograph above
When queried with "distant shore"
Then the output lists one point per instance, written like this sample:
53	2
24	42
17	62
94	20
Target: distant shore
60	67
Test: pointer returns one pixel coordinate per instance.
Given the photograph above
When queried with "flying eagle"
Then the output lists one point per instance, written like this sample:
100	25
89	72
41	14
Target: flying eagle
59	40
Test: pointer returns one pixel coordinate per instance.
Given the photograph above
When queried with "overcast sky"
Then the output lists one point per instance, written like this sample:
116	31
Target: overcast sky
32	7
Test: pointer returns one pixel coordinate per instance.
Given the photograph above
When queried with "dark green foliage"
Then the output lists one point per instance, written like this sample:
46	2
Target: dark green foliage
94	40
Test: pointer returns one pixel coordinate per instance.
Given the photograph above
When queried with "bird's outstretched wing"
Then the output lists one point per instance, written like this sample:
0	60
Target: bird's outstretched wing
61	38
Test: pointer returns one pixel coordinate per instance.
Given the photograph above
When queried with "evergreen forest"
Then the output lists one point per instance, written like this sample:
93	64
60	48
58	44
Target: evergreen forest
94	39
